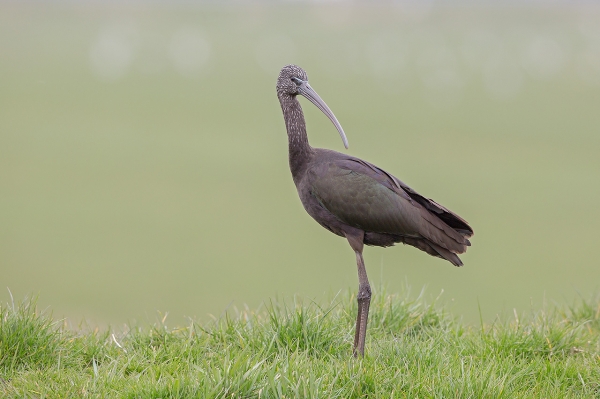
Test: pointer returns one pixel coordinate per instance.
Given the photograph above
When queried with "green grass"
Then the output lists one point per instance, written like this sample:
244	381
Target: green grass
301	349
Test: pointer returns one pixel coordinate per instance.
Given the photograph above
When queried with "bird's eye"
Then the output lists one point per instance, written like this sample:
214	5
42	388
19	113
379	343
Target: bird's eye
296	80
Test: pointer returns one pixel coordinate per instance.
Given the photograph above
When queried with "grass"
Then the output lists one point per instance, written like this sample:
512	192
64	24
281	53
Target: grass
300	349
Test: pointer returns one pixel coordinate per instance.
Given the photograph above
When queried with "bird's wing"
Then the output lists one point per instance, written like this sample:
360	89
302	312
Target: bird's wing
393	183
364	196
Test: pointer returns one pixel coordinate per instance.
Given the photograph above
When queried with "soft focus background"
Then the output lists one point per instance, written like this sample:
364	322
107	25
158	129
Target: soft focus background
143	154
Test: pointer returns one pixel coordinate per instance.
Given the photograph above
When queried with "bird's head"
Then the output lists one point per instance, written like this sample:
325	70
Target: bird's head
293	81
290	79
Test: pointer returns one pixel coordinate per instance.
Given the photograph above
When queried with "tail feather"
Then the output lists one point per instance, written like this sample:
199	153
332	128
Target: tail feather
438	232
432	249
444	253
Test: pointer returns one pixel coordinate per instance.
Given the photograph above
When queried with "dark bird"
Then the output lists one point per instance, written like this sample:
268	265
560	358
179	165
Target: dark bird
357	200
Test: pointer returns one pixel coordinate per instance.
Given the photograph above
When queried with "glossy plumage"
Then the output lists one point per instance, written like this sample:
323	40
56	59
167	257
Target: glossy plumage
357	200
363	196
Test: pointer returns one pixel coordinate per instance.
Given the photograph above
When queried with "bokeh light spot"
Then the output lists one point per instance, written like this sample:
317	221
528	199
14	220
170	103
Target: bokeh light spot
543	57
112	51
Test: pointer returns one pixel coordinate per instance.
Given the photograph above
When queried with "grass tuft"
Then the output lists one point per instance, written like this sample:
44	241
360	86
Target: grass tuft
28	338
300	349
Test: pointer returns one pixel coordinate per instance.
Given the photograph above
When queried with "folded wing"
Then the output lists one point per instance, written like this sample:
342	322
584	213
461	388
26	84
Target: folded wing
366	197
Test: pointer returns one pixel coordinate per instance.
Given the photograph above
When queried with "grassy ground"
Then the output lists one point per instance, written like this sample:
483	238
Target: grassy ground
294	349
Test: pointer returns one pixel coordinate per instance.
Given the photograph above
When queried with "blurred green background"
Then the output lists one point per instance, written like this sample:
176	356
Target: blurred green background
143	154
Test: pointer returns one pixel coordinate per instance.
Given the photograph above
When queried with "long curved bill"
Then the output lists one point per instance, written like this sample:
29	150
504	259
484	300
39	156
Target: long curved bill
314	98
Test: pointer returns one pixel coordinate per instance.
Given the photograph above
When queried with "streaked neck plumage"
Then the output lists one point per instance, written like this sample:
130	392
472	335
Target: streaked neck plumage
300	151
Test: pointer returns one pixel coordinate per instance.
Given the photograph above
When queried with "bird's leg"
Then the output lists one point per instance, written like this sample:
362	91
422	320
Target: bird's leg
364	301
363	297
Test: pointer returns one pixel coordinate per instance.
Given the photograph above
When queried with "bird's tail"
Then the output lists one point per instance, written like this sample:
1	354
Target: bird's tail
444	253
431	248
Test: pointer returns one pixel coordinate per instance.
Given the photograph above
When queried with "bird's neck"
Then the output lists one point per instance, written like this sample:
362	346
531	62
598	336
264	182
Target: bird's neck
300	151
